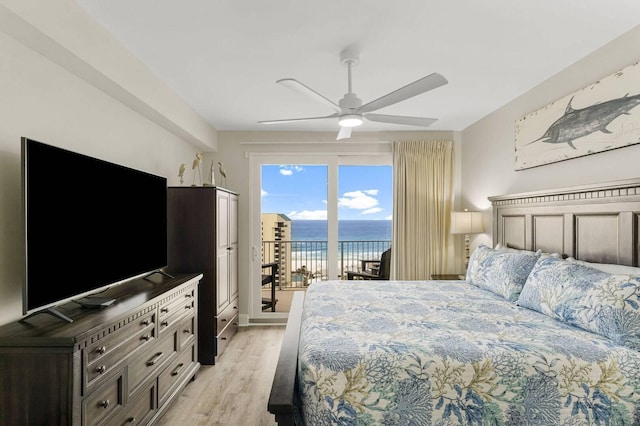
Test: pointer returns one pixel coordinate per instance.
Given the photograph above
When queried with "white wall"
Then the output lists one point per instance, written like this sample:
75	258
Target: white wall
42	100
488	145
234	149
66	34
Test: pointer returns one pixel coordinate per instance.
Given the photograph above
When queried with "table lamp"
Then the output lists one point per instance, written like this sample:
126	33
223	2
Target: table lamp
466	223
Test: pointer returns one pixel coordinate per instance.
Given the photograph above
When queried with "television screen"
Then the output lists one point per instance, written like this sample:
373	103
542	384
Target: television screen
88	224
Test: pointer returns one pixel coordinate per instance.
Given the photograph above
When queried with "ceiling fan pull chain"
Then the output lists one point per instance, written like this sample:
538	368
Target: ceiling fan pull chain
349	74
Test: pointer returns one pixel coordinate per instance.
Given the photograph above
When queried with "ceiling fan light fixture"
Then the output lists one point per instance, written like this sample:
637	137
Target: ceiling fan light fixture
350	120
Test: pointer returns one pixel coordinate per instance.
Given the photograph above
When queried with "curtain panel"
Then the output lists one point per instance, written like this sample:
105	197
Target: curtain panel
422	196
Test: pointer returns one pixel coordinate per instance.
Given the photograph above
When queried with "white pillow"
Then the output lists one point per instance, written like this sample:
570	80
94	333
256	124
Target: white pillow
609	268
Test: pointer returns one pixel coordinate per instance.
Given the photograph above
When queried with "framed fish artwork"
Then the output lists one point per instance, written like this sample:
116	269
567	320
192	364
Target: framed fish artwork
602	116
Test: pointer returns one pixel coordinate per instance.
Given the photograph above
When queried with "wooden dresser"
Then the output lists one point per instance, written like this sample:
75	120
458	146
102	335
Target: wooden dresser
203	236
120	365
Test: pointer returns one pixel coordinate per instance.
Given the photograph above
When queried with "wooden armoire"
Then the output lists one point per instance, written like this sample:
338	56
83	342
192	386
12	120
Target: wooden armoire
203	237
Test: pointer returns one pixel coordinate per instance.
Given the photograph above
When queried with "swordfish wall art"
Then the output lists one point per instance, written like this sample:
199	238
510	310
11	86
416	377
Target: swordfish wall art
602	116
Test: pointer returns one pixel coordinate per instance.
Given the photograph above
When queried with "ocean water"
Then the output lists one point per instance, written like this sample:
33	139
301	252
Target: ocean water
348	230
357	240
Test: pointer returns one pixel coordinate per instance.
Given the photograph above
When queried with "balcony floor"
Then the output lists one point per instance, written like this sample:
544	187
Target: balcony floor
283	297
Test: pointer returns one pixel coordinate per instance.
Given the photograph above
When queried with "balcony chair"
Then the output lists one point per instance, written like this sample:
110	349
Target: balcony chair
270	278
381	272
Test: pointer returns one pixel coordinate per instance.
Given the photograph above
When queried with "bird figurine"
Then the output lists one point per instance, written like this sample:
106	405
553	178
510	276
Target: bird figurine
223	173
196	168
181	173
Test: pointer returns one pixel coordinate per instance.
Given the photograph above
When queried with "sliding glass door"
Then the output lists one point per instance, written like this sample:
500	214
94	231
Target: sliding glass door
300	207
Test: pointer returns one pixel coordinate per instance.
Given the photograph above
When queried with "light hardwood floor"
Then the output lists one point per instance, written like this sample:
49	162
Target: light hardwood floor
235	391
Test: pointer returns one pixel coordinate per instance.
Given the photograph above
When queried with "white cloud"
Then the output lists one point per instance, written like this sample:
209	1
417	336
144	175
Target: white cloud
358	200
287	170
308	215
372	210
390	217
371	191
263	193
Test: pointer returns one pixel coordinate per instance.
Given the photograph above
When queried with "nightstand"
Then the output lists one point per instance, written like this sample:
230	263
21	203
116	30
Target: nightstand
448	277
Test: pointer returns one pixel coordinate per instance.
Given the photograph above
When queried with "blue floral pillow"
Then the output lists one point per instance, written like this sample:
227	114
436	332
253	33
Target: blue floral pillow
500	271
594	300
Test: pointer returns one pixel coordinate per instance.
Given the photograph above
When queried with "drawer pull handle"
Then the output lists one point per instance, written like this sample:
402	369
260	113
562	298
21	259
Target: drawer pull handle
223	338
101	350
235	307
146	337
164	323
131	420
104	404
101	369
187	330
223	320
235	323
188	295
165	310
146	322
187	307
177	370
155	359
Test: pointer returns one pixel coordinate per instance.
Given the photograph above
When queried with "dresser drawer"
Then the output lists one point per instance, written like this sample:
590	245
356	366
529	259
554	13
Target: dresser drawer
113	341
138	409
175	373
152	360
224	317
172	313
106	400
225	336
177	304
101	366
186	332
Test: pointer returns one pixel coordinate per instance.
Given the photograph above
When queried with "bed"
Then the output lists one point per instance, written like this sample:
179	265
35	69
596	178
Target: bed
545	330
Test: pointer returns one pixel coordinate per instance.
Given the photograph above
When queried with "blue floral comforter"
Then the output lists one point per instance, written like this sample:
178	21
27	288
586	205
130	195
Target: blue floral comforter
447	352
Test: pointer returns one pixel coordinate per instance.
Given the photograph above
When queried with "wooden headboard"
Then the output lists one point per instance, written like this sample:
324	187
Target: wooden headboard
594	223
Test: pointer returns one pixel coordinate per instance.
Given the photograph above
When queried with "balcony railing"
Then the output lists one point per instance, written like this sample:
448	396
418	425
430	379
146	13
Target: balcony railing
304	262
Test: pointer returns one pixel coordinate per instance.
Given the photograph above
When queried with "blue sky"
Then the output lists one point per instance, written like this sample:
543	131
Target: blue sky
300	192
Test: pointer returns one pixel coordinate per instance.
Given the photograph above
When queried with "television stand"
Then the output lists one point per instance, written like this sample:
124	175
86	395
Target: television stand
51	311
94	302
159	271
118	366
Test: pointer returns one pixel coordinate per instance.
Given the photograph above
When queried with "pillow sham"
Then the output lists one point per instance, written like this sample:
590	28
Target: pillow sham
610	268
585	297
502	272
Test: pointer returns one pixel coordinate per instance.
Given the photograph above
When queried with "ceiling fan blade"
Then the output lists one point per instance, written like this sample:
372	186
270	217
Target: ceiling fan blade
299	87
295	120
425	84
345	133
401	119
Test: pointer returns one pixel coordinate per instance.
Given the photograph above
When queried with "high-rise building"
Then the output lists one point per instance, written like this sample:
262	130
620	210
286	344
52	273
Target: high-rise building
276	229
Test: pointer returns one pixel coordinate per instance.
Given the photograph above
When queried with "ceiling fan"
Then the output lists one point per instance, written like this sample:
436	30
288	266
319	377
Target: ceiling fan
349	110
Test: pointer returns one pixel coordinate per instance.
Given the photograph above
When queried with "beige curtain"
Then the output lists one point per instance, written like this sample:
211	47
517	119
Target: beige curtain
422	178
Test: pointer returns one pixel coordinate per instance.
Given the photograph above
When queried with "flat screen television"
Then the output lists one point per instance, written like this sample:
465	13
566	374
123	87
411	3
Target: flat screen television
89	224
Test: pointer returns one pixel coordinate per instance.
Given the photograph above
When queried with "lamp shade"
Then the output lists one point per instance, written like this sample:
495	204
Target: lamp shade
466	222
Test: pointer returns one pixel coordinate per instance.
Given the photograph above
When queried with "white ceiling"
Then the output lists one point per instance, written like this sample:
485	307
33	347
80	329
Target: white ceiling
224	56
